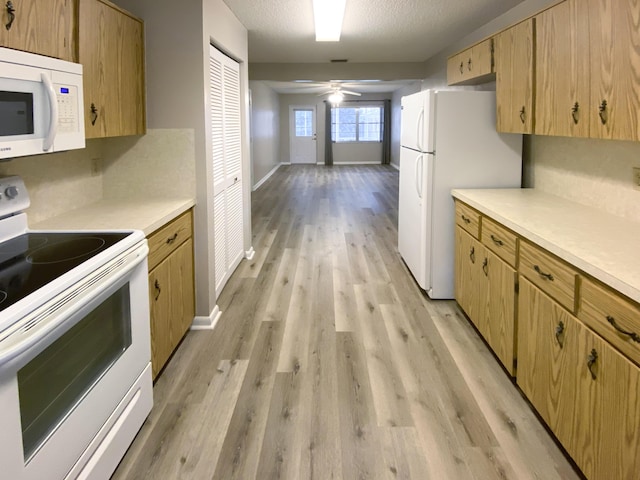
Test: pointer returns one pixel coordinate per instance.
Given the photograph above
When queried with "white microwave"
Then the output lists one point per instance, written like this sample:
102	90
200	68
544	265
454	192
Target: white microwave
41	104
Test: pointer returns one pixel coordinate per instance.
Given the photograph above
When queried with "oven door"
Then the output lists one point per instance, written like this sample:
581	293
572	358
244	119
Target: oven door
66	369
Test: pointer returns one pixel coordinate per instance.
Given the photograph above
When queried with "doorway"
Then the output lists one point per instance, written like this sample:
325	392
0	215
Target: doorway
302	134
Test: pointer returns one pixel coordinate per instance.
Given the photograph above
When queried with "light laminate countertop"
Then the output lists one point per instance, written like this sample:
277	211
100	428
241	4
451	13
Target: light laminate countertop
600	244
146	214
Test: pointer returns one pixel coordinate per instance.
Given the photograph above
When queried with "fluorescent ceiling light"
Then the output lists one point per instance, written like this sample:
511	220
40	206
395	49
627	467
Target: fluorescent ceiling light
328	16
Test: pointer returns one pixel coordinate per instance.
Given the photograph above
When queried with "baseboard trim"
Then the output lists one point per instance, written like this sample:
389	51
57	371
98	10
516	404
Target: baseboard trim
207	323
266	177
248	254
357	163
397	167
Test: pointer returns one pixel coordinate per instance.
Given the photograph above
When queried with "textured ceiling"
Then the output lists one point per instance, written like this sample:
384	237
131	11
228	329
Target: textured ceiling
282	31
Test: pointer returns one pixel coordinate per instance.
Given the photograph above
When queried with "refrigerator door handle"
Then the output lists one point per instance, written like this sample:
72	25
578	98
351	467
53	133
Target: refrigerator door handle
419	162
420	126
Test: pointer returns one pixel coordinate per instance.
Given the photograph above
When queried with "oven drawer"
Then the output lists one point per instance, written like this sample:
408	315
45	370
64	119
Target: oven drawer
613	316
468	219
165	240
551	275
499	240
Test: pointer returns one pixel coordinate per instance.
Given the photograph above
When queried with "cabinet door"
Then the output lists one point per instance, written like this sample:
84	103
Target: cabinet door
499	322
160	312
470	282
111	52
45	27
562	70
455	69
546	366
481	63
615	69
182	290
514	78
606	420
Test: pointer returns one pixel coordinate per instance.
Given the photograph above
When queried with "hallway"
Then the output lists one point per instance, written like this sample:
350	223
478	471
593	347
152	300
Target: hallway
330	363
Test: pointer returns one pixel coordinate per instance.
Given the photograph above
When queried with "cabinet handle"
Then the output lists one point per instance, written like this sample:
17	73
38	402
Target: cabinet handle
465	219
574	112
559	332
472	254
591	361
172	238
12	14
602	111
634	336
461	68
497	241
469	65
485	267
94	114
522	115
547	276
158	289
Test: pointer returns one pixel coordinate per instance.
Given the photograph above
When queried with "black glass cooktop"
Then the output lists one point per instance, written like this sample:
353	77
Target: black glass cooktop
32	260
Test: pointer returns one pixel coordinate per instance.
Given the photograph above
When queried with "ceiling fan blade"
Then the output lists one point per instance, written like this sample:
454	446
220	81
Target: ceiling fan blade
351	93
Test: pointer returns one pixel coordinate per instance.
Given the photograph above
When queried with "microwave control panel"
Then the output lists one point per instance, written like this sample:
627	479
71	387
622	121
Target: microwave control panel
67	108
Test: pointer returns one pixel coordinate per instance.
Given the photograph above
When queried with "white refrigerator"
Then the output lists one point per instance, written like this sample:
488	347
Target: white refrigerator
448	140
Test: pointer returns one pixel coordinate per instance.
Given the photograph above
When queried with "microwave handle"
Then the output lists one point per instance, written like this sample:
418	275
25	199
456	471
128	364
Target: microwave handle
53	108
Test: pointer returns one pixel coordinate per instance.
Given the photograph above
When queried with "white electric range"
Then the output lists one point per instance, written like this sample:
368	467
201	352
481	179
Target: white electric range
75	372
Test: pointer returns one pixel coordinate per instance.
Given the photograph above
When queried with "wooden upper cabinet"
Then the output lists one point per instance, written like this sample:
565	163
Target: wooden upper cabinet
514	65
562	71
473	65
46	27
615	69
112	54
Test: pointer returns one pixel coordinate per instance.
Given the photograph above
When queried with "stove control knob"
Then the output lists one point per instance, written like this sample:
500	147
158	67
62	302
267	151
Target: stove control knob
11	192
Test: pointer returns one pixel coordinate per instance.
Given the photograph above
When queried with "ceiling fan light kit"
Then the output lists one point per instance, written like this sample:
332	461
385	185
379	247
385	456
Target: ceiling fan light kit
328	16
336	97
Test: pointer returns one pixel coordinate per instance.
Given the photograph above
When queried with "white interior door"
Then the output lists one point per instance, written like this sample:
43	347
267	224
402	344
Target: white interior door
226	151
302	132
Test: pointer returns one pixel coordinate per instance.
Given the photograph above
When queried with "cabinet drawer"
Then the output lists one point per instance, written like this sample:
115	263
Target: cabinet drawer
551	275
468	219
166	239
614	317
499	240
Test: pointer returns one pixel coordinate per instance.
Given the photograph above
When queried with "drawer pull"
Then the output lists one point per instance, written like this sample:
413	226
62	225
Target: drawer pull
634	336
472	254
172	238
548	276
485	267
465	219
497	241
158	289
591	361
559	332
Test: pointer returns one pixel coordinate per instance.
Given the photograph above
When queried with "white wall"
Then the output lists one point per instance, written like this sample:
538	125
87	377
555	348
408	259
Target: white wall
349	154
265	131
178	37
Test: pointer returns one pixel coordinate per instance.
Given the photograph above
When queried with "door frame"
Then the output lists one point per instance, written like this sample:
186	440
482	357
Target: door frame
292	109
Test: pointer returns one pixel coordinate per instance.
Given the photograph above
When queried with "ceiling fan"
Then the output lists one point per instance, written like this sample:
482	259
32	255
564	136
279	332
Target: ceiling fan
335	91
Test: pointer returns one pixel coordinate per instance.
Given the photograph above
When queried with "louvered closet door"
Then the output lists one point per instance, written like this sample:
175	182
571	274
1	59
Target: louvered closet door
224	77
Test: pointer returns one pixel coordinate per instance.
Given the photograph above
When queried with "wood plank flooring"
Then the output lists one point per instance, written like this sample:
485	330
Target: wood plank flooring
330	363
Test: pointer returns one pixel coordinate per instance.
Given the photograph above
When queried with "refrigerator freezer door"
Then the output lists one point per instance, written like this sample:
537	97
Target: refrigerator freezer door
414	222
416	130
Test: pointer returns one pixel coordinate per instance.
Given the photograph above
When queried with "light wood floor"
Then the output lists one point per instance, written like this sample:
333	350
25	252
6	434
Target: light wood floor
330	363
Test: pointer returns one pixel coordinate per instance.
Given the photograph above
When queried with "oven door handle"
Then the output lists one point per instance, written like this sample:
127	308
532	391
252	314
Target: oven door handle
59	314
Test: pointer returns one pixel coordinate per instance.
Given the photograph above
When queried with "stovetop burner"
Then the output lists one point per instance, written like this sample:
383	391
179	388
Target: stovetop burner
66	250
30	261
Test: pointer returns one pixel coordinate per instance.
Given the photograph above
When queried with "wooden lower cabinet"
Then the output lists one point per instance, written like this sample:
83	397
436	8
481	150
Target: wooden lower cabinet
586	391
171	297
485	289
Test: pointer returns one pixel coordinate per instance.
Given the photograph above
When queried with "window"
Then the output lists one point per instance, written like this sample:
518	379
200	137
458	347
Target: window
304	123
357	124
